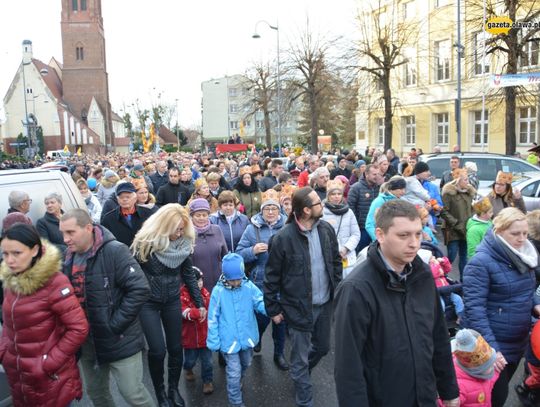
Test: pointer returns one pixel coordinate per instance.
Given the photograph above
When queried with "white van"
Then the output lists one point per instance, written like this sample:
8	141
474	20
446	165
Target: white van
38	183
57	154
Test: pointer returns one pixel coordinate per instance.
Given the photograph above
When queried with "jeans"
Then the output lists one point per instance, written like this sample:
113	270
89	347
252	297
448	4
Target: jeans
237	363
365	240
278	332
453	248
155	318
307	349
127	373
190	359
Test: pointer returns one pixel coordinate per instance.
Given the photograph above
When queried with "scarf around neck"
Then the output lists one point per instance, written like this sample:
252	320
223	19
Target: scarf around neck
175	254
525	255
339	209
203	229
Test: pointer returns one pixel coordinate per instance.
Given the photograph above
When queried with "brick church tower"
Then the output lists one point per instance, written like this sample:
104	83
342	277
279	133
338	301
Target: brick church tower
84	71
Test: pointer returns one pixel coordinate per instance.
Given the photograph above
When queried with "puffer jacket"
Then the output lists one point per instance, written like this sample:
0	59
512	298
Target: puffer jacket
498	298
376	204
48	228
231	231
194	332
473	392
361	195
250	238
44	326
232	325
115	290
165	282
476	229
457	211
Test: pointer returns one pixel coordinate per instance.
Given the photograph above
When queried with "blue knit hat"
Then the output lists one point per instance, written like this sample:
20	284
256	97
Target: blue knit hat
233	267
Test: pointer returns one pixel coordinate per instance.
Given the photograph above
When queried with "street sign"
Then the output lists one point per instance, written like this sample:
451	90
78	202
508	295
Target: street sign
17	144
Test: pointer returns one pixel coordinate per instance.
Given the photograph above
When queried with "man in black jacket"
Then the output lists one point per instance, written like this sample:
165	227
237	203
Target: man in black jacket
127	218
303	269
174	191
160	177
392	345
111	289
272	179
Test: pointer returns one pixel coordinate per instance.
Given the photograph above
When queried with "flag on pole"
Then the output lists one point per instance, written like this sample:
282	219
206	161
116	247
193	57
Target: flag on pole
66	149
79	151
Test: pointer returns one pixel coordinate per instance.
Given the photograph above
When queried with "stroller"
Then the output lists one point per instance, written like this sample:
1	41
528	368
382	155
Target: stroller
446	291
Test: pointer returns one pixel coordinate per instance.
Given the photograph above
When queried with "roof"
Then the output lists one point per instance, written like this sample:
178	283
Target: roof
52	80
121	141
167	135
116	117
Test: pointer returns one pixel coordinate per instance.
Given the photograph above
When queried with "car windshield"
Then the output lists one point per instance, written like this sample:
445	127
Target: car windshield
519	178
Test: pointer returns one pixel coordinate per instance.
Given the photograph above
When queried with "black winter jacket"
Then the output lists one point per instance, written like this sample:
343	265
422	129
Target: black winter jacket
360	197
158	180
48	228
115	290
165	282
392	345
287	280
118	226
172	193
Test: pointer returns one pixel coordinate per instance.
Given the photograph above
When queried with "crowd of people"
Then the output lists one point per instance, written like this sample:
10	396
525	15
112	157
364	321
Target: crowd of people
189	254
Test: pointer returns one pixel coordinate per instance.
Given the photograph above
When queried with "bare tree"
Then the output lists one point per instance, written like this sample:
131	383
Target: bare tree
518	49
310	64
380	51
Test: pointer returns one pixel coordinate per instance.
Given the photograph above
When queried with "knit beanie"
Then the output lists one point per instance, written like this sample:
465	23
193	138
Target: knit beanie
420	167
13	218
233	267
92	183
359	163
109	174
474	355
397	183
270	197
199	204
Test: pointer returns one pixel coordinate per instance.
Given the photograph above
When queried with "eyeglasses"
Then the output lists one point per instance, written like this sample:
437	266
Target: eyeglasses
271	209
315	204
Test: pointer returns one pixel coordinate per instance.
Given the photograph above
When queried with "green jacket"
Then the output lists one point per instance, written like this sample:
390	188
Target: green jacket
251	200
457	211
476	229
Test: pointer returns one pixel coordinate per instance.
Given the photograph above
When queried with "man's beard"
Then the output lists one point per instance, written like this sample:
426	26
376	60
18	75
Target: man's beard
319	216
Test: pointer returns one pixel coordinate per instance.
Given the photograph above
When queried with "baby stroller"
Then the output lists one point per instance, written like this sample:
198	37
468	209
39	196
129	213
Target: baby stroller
446	291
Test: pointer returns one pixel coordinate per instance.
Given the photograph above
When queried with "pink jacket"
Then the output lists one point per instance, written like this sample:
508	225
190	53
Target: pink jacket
440	270
473	392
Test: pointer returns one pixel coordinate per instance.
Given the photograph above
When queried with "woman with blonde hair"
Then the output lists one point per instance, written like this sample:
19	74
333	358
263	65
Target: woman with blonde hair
498	289
202	190
163	247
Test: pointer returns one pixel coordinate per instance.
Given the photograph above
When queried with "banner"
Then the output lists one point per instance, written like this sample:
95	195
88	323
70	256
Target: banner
501	81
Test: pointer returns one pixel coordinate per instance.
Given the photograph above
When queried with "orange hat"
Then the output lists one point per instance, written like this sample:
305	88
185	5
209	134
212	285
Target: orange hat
139	183
473	354
246	169
270	197
459	172
255	169
504	178
482	206
286	193
334	185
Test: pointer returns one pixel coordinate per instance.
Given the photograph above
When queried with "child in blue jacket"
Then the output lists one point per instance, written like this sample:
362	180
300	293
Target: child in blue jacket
232	326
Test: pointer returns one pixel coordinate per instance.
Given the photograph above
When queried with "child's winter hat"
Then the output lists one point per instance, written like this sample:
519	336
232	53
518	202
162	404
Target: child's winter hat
473	354
198	273
232	266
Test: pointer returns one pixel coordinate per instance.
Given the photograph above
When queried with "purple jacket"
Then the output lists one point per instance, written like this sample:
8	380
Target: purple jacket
210	247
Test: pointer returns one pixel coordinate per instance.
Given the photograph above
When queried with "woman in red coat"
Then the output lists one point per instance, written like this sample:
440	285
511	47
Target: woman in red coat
44	325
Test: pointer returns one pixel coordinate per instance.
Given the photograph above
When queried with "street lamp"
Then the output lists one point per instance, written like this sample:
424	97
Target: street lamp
278	79
177	132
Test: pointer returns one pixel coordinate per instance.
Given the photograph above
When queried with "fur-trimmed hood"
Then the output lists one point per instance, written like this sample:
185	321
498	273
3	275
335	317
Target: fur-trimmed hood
31	280
109	182
451	189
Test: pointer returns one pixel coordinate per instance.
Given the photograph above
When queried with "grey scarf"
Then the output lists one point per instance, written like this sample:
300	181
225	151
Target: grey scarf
176	253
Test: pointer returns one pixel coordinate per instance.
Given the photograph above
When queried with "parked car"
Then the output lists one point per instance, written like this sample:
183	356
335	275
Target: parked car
528	183
38	183
488	165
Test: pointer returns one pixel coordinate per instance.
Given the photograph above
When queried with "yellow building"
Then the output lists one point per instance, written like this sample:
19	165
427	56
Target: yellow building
424	84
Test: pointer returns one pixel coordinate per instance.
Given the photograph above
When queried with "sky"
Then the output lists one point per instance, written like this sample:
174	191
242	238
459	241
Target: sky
169	47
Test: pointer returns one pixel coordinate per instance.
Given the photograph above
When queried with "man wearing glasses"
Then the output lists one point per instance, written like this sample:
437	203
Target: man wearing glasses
303	269
19	201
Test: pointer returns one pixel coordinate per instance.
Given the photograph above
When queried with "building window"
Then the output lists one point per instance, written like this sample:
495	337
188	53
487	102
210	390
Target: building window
75	5
233	92
247	107
80	53
409	68
527	125
530	52
478	126
260	124
29	91
247	123
478	56
83	5
442	128
380	131
409	124
233	124
233	108
442	60
409	10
